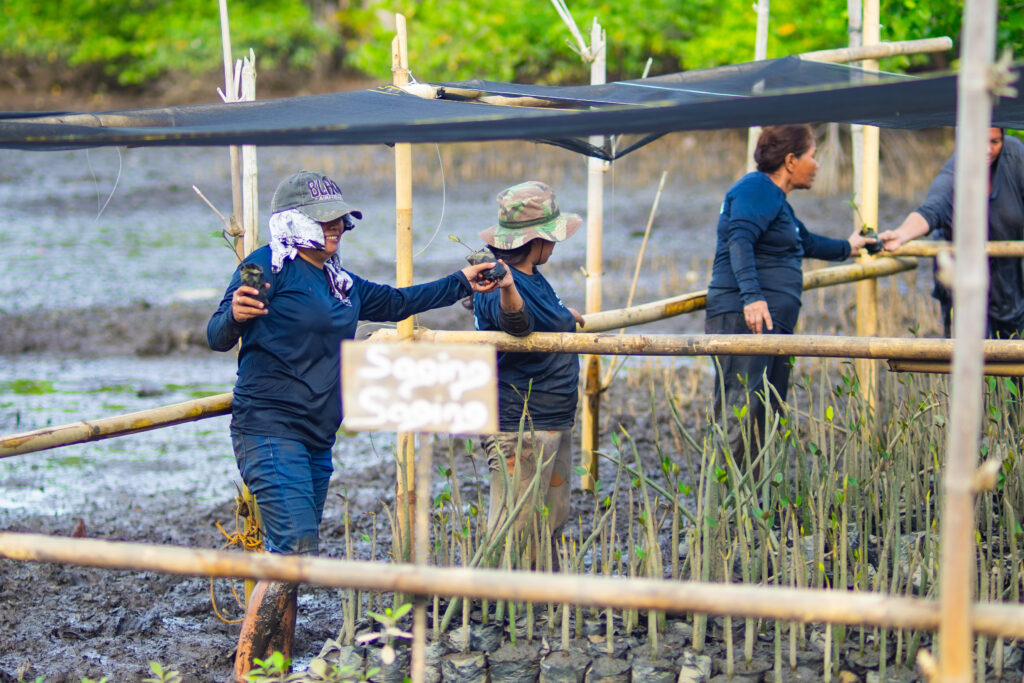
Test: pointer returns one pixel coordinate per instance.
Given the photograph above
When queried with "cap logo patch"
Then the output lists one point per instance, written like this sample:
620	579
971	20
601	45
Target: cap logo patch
323	188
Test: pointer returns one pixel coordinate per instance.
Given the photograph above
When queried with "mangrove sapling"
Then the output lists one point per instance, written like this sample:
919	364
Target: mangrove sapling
997	647
490	543
730	656
351	596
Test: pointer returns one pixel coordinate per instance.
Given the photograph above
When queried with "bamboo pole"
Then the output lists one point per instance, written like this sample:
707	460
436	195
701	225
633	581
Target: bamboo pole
424	473
867	205
856	53
970	285
591	410
925	248
790	604
230	94
1007	353
696	301
250	186
940	368
818	346
105	428
762	7
405	486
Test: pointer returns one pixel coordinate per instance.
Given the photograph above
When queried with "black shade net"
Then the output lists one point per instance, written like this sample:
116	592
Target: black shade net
787	90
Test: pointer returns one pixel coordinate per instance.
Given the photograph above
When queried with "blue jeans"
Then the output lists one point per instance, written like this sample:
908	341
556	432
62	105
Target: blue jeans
289	482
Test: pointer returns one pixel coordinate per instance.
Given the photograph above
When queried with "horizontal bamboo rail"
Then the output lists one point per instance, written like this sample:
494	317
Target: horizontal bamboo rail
108	427
880	50
1003	249
940	368
788	604
696	301
820	346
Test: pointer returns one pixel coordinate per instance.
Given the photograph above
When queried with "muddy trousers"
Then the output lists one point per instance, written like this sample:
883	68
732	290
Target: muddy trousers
269	625
512	479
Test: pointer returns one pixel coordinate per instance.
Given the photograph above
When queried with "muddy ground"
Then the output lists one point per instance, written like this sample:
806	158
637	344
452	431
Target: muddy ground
112	271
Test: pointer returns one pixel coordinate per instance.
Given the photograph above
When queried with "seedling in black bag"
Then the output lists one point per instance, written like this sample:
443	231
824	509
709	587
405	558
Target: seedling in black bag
484	255
867	231
252	276
871	233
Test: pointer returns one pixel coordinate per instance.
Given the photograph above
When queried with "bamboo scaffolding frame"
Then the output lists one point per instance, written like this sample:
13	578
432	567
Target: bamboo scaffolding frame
934	367
119	425
403	277
590	413
790	604
880	50
763	9
866	201
696	301
818	346
930	248
1006	352
970	279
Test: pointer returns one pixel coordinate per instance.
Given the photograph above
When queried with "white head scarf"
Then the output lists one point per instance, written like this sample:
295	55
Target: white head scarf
292	229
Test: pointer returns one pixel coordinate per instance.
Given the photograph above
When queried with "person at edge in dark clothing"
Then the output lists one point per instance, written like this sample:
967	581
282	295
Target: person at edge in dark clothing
537	392
1005	222
757	276
286	408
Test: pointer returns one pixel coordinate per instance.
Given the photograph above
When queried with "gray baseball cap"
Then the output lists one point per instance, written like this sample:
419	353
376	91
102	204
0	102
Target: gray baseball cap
315	195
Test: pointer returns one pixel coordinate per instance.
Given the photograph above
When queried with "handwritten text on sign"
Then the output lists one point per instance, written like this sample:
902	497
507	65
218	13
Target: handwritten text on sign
419	387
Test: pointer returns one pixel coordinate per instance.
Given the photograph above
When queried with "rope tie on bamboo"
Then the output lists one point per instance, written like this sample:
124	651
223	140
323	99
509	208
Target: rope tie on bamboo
250	539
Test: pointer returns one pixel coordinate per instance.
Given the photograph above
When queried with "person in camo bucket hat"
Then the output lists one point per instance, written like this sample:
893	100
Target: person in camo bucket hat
529	211
543	387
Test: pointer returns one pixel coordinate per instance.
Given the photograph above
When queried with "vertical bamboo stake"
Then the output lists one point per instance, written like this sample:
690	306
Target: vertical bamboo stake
589	419
250	192
867	290
760	52
243	202
231	92
424	468
403	257
970	285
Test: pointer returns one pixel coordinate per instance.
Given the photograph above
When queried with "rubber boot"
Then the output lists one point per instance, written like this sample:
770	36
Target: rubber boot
269	625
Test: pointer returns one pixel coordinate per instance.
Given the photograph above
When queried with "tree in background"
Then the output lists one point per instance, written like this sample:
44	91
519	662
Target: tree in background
132	44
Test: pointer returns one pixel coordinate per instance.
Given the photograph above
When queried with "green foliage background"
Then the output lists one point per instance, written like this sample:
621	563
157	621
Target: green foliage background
130	43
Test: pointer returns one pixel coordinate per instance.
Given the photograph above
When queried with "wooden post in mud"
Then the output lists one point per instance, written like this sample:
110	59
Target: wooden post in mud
240	85
760	52
867	204
970	285
590	415
405	486
250	185
230	94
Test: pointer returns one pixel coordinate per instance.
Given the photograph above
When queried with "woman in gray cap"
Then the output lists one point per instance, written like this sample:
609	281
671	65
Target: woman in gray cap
286	408
537	392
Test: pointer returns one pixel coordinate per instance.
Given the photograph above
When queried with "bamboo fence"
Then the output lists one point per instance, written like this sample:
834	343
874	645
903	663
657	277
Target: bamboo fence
1002	357
788	604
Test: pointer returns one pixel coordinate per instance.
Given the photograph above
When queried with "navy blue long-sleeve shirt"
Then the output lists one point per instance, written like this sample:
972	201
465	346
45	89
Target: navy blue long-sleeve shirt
550	379
1005	222
761	245
289	365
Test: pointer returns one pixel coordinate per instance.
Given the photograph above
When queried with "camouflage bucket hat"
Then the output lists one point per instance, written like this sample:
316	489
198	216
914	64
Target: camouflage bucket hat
527	211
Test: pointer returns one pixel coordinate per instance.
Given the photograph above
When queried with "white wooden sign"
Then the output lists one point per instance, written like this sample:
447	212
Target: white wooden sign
419	387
